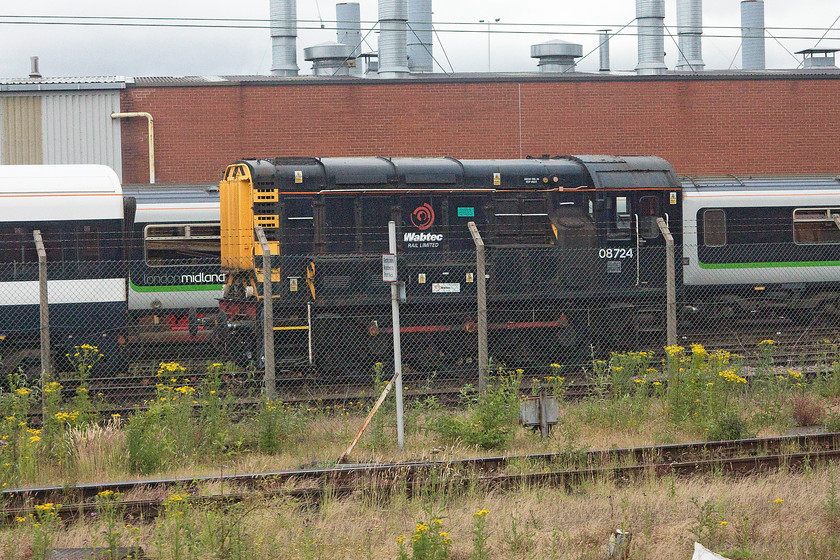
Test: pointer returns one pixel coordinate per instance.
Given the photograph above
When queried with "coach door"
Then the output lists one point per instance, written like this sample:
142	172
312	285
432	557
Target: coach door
647	208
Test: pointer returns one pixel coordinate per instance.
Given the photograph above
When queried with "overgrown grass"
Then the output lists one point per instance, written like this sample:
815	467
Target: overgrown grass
189	429
784	516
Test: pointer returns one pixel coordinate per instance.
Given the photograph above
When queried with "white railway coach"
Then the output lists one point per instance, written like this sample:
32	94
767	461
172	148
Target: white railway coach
79	211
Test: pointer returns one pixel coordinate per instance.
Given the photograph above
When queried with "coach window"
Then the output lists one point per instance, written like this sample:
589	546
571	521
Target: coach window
814	226
714	228
87	238
299	225
648	213
180	244
11	246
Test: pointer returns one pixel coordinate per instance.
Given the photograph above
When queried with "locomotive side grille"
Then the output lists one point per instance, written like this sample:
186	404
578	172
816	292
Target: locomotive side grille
265	195
268	221
336	282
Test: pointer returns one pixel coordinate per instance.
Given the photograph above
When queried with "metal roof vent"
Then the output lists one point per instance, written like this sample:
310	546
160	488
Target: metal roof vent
650	18
690	32
330	59
604	49
556	55
393	46
371	60
420	38
284	38
34	73
820	59
752	35
348	17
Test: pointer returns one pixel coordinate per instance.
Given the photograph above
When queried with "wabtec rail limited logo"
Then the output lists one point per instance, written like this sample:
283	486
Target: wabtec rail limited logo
423	218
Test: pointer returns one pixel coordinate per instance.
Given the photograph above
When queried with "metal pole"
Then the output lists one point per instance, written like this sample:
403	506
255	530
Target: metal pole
395	313
670	283
268	316
45	311
482	306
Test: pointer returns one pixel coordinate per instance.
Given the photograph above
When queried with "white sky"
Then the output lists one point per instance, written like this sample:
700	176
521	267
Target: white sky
141	51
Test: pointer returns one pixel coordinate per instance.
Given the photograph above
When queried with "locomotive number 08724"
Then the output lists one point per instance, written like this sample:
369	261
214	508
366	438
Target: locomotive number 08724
617	253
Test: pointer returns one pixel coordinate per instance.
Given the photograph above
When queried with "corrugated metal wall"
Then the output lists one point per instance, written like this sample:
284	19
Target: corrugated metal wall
21	138
61	127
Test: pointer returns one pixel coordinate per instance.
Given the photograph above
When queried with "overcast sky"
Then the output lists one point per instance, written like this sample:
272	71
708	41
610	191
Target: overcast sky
67	50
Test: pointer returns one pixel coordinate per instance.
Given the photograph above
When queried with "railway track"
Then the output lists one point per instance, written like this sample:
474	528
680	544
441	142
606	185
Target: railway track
143	498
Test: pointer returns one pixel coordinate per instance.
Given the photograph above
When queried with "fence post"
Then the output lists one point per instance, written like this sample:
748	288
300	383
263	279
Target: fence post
45	311
670	283
395	314
481	278
268	316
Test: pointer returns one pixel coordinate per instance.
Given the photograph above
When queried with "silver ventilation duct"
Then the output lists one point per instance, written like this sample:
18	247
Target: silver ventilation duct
284	38
34	72
752	35
690	32
420	36
650	18
330	59
604	49
393	50
348	16
556	55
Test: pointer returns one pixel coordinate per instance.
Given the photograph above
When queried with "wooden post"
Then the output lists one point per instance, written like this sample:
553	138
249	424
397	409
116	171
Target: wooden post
481	279
45	311
670	283
268	316
370	416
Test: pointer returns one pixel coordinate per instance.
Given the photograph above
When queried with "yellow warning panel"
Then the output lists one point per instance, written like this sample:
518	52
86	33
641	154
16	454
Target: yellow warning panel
273	249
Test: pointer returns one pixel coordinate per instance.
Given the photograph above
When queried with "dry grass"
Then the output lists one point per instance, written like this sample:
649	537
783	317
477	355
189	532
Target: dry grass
783	516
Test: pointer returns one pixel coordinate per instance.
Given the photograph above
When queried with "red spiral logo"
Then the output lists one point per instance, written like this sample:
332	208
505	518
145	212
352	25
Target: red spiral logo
423	217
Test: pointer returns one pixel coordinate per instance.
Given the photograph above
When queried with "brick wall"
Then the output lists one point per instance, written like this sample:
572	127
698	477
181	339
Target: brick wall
786	124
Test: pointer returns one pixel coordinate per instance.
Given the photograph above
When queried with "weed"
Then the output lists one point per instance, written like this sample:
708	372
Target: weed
491	416
728	426
806	411
480	536
110	511
520	539
429	542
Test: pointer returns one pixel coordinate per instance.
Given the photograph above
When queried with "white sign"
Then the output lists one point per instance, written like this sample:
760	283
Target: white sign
446	288
389	267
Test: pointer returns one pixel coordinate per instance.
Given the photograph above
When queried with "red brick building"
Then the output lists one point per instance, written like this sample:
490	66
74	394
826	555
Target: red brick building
711	123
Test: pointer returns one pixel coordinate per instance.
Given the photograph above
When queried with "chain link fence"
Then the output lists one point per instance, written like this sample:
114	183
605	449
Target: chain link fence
120	328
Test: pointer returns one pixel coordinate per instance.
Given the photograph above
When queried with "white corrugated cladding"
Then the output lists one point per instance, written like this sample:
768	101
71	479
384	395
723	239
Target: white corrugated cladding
78	128
61	121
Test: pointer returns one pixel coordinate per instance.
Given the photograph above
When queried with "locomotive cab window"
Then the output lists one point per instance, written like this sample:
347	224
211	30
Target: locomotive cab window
618	218
815	226
179	244
648	214
714	228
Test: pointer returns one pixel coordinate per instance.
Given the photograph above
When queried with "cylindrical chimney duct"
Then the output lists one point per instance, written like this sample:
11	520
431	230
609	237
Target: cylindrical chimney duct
349	30
650	18
284	38
752	35
690	32
604	49
420	36
393	57
34	72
